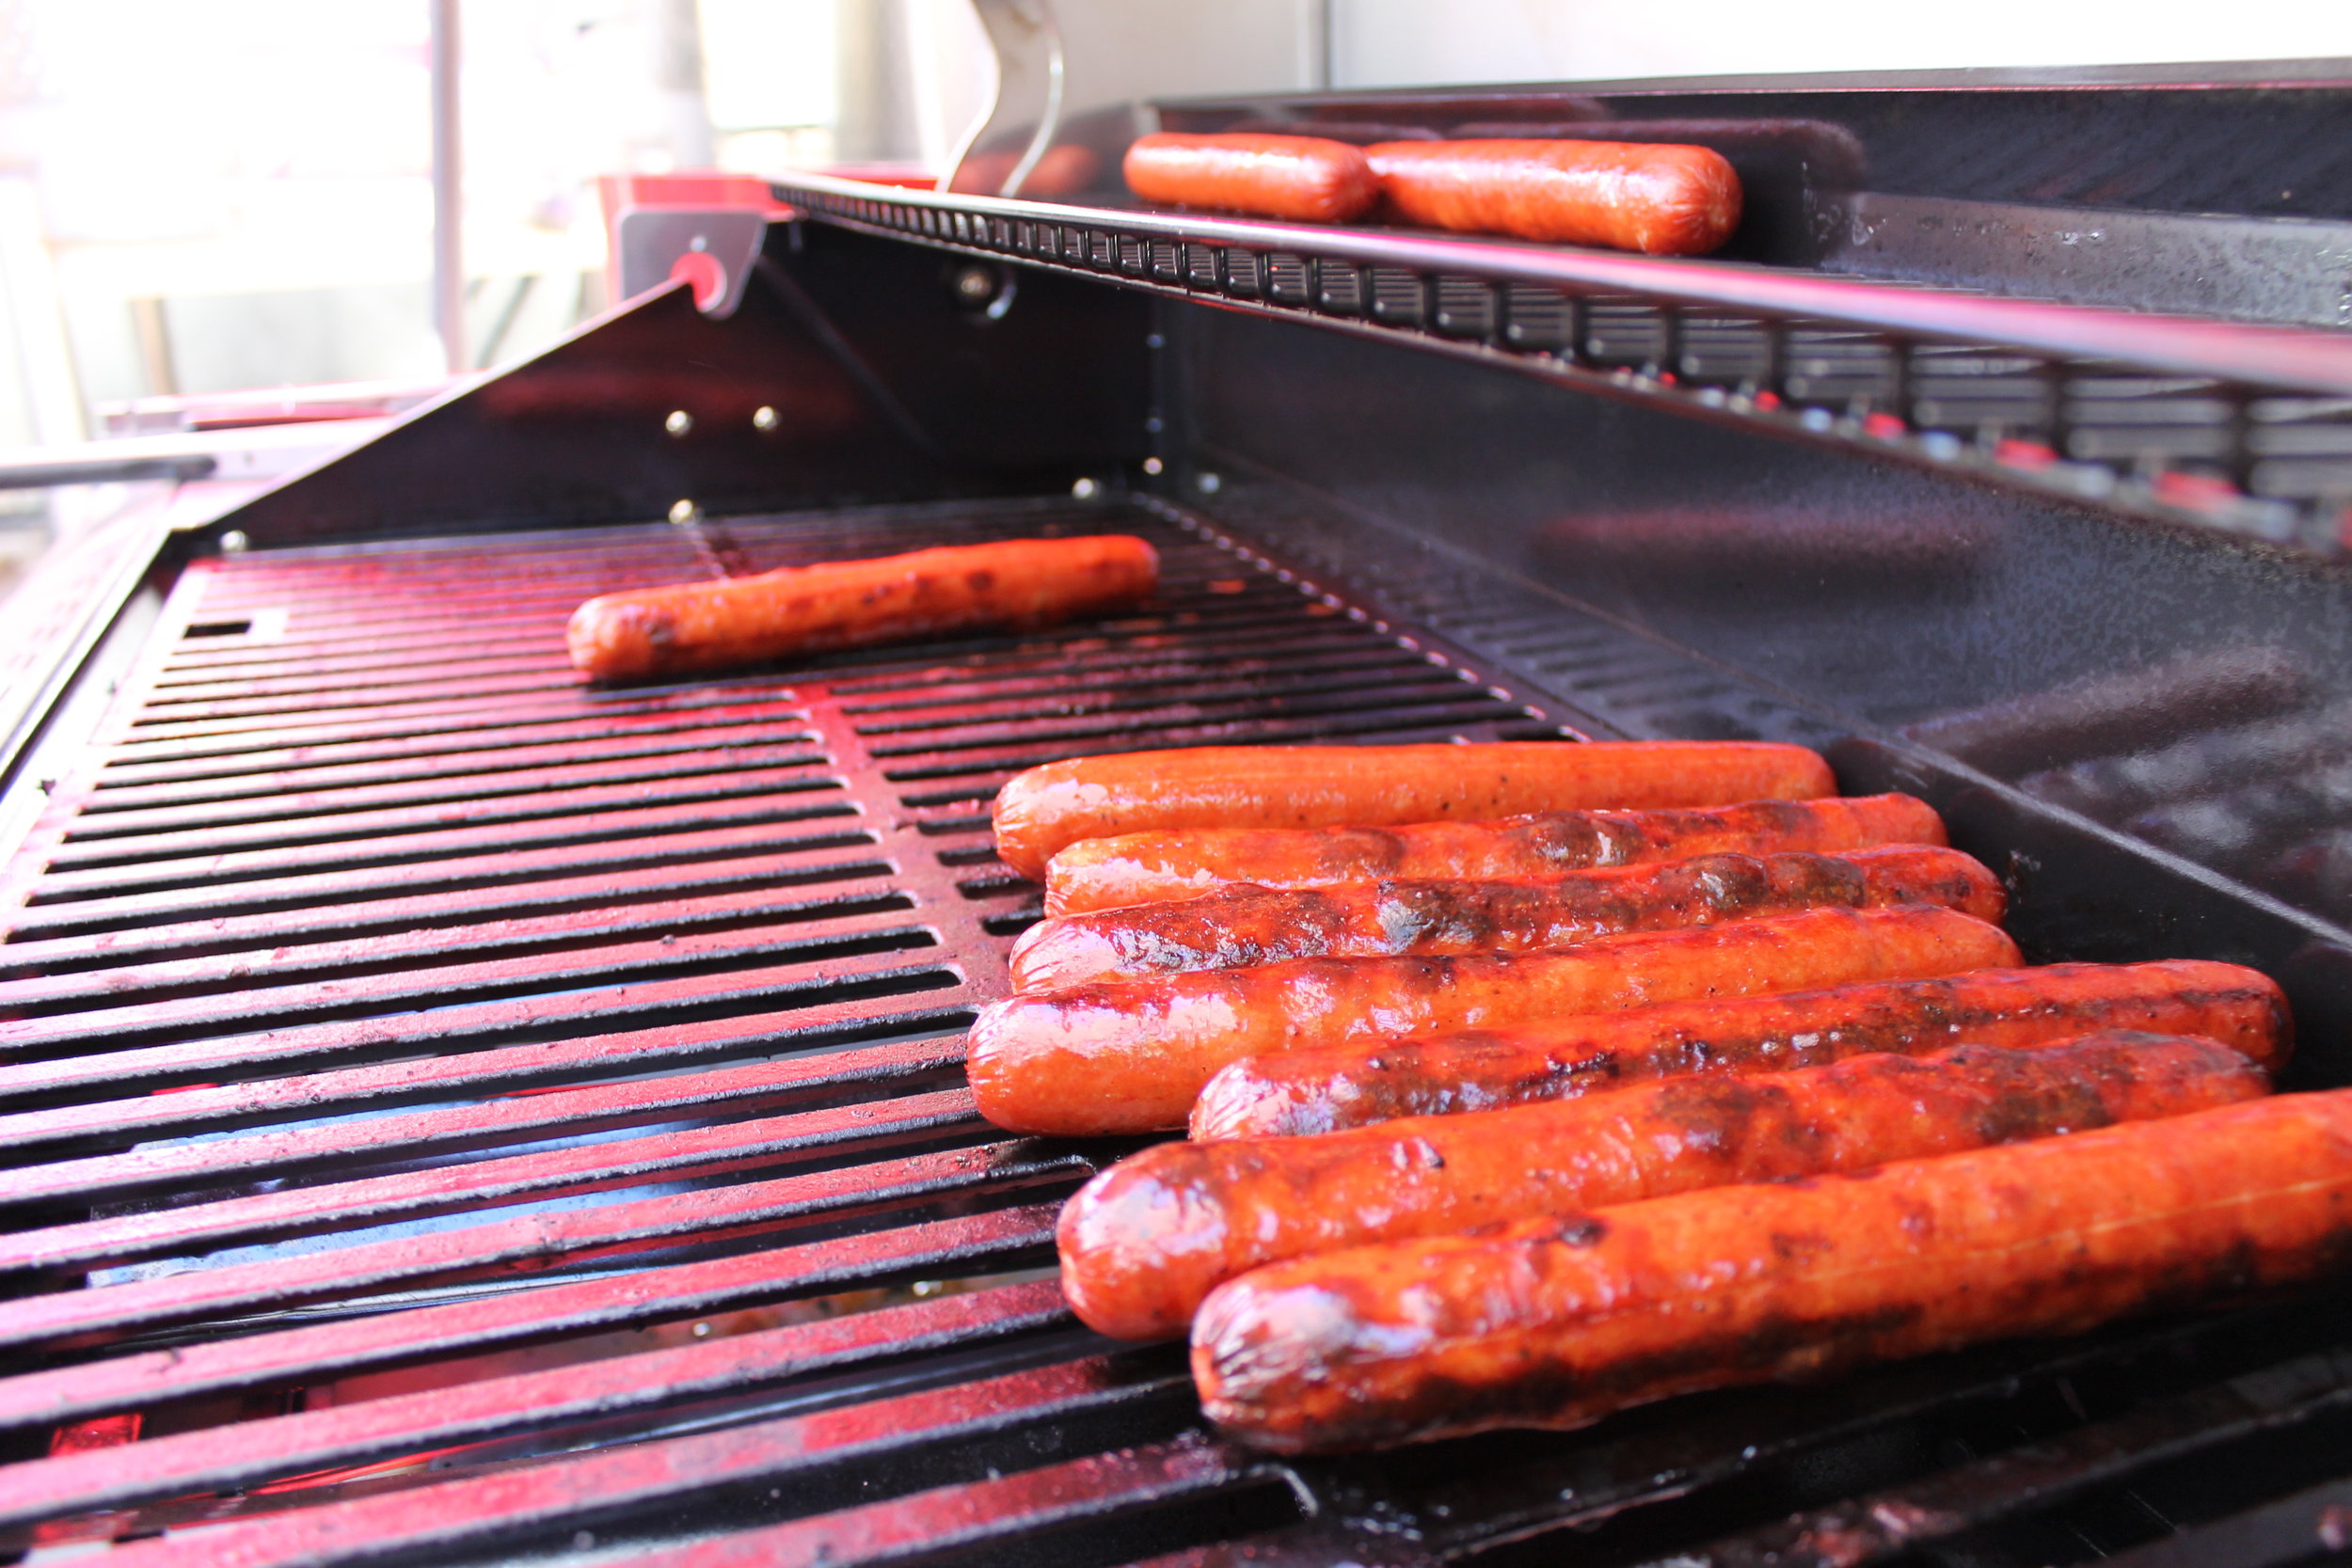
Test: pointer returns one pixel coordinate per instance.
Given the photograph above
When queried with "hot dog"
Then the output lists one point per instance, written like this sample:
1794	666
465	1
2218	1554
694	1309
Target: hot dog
1144	1242
1319	1090
1049	808
1140	869
1563	1321
1661	198
1240	925
1131	1055
1019	583
1306	177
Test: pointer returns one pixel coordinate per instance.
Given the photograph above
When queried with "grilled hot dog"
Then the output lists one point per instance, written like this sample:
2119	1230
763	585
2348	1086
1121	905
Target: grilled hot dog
1141	868
1238	926
1048	808
1131	1055
1353	1085
1561	1322
1145	1240
851	604
1306	177
1659	198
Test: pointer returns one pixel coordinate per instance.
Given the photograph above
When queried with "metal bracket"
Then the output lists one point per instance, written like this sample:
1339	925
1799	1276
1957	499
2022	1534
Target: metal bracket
710	248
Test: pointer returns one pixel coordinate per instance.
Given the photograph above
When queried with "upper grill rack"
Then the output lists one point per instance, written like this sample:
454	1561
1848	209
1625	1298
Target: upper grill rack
2243	428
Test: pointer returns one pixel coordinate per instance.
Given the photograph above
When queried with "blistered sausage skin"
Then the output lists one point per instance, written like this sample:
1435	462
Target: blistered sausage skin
1307	179
1144	1242
1144	868
1131	1055
1236	927
1047	809
1016	584
1563	1321
1657	197
1324	1089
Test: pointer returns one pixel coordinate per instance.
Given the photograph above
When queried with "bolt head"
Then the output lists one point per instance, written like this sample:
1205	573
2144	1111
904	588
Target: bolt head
234	542
1086	489
679	421
764	417
1209	484
685	512
975	285
1152	464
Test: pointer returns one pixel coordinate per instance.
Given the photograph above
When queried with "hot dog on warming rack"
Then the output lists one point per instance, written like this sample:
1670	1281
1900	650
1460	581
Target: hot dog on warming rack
1237	926
1144	1242
1018	584
1320	1089
1309	179
1141	868
1048	808
1658	198
1131	1055
1563	1321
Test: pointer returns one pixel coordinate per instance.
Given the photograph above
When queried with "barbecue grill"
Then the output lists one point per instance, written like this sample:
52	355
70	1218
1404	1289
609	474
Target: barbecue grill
457	1114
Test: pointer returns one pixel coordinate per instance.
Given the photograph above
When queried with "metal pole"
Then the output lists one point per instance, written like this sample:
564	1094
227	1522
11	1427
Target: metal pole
449	255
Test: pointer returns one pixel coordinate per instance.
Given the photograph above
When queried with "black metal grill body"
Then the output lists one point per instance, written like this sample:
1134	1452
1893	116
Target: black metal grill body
456	1113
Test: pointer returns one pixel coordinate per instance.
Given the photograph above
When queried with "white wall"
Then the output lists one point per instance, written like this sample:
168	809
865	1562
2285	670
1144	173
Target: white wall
1403	43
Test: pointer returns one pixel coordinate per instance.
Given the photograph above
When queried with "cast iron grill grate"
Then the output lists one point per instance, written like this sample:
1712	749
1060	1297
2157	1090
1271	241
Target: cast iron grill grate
377	995
456	1115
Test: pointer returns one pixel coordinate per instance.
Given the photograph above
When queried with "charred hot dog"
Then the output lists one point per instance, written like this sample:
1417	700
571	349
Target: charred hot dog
1144	1242
1049	808
1320	1090
1131	1055
1018	584
1237	926
1141	868
1559	1322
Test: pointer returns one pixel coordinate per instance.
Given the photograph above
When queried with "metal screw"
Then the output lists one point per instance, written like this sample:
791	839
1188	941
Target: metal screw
234	542
1152	464
1084	489
1209	485
764	417
975	285
679	421
702	1331
683	513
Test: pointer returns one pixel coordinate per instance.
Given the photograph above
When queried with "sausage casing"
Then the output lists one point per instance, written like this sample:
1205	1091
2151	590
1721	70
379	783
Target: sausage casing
1144	1242
1131	1055
1236	927
1309	179
1048	808
1561	1322
1148	867
1323	1089
1661	198
849	603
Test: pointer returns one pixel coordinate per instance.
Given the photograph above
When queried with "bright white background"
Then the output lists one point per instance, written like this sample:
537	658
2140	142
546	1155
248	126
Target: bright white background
1397	42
